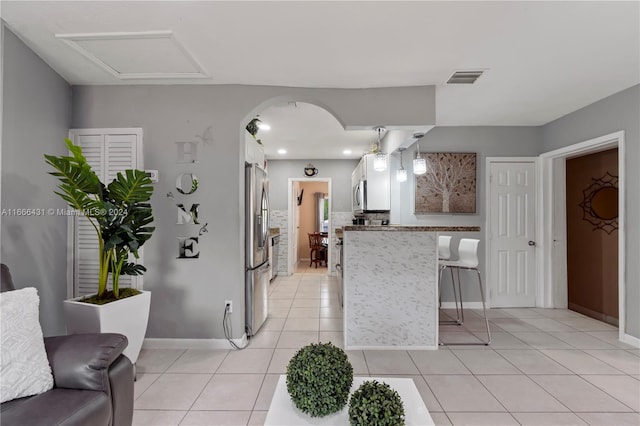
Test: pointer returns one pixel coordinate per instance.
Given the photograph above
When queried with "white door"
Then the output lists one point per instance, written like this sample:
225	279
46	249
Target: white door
295	226
108	151
512	234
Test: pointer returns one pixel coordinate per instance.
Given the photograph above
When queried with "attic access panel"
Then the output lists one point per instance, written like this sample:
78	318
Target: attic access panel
137	55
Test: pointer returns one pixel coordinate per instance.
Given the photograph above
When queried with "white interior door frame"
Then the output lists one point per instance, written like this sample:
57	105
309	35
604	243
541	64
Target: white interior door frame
292	232
551	180
487	223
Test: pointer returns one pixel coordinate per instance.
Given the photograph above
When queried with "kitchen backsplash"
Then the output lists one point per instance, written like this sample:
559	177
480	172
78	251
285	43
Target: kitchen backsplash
372	216
338	220
280	219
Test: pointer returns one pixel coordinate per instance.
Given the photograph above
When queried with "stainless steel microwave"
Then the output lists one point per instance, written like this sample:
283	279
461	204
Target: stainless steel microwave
358	197
370	188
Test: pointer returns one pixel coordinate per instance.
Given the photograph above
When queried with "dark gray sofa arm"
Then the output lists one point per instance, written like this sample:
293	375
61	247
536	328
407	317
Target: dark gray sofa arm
81	361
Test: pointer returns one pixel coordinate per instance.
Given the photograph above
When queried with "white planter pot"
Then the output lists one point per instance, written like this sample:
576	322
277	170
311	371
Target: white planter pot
127	316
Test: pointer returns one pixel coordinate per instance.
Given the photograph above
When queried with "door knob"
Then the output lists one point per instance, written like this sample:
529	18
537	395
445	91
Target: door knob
532	243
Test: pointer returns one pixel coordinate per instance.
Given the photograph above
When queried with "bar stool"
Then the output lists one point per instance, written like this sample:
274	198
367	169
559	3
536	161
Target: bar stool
444	253
468	260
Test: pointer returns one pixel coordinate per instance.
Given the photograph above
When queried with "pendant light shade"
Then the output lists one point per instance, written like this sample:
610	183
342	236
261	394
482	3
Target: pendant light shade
380	160
401	174
419	164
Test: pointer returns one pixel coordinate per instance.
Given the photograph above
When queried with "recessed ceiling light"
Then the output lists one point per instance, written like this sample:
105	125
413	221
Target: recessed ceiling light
282	151
263	126
346	152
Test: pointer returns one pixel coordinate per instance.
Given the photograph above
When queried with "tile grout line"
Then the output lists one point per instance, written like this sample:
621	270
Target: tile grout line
603	390
591	356
516	367
160	374
427	383
206	384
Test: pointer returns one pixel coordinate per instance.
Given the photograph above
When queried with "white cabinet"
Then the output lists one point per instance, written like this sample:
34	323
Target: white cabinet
370	186
254	152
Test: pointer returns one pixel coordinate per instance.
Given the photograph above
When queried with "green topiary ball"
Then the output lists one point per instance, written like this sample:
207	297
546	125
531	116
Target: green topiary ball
375	404
319	377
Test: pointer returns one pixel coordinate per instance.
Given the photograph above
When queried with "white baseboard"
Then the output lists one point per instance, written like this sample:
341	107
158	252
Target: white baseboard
466	305
630	340
392	348
192	343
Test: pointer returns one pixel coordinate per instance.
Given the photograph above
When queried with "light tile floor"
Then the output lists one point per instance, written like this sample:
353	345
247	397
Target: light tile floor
544	367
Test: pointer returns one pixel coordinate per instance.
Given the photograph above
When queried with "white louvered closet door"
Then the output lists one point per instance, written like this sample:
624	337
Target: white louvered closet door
108	151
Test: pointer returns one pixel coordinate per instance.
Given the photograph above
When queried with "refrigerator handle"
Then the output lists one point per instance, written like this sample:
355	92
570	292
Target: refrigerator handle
267	219
266	197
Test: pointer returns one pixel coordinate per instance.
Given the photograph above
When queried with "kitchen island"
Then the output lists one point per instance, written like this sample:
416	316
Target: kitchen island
391	286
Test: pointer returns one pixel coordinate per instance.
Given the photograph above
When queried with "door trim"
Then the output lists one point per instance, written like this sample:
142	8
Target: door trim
487	220
292	233
550	183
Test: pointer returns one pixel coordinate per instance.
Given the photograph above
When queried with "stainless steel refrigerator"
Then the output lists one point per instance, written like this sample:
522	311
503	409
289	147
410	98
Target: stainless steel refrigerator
256	247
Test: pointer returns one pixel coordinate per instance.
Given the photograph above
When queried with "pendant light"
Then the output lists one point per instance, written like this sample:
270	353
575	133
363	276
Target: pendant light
401	174
380	160
419	164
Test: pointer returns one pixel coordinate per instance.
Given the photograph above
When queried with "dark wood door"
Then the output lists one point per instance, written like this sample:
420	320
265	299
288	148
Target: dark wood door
592	235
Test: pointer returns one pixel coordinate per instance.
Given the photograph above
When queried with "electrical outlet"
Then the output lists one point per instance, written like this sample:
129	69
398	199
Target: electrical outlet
228	303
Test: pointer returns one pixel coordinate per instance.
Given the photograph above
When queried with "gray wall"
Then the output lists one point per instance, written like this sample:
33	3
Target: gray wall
620	111
188	295
486	142
338	170
36	117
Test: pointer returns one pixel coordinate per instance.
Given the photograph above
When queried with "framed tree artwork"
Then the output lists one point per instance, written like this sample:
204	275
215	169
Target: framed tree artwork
449	185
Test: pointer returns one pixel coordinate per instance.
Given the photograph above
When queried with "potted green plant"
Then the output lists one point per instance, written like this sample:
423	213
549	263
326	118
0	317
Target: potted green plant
319	377
121	215
376	404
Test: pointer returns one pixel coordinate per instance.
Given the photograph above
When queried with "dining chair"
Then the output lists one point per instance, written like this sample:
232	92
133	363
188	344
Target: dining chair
317	250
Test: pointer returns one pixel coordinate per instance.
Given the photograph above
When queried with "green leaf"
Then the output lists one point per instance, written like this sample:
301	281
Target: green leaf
73	174
134	186
132	269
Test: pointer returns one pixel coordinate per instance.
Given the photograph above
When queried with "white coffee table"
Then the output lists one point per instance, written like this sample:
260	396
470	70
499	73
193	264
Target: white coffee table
282	412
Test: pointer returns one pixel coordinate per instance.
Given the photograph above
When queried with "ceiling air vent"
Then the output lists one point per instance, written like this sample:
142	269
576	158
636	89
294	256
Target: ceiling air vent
464	77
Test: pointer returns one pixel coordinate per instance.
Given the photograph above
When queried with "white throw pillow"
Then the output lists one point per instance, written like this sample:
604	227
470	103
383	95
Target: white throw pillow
24	367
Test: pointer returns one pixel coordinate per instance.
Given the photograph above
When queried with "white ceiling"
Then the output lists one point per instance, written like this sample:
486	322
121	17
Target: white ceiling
542	59
307	131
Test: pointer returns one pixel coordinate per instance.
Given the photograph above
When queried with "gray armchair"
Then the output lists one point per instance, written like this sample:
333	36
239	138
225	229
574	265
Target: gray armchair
93	382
